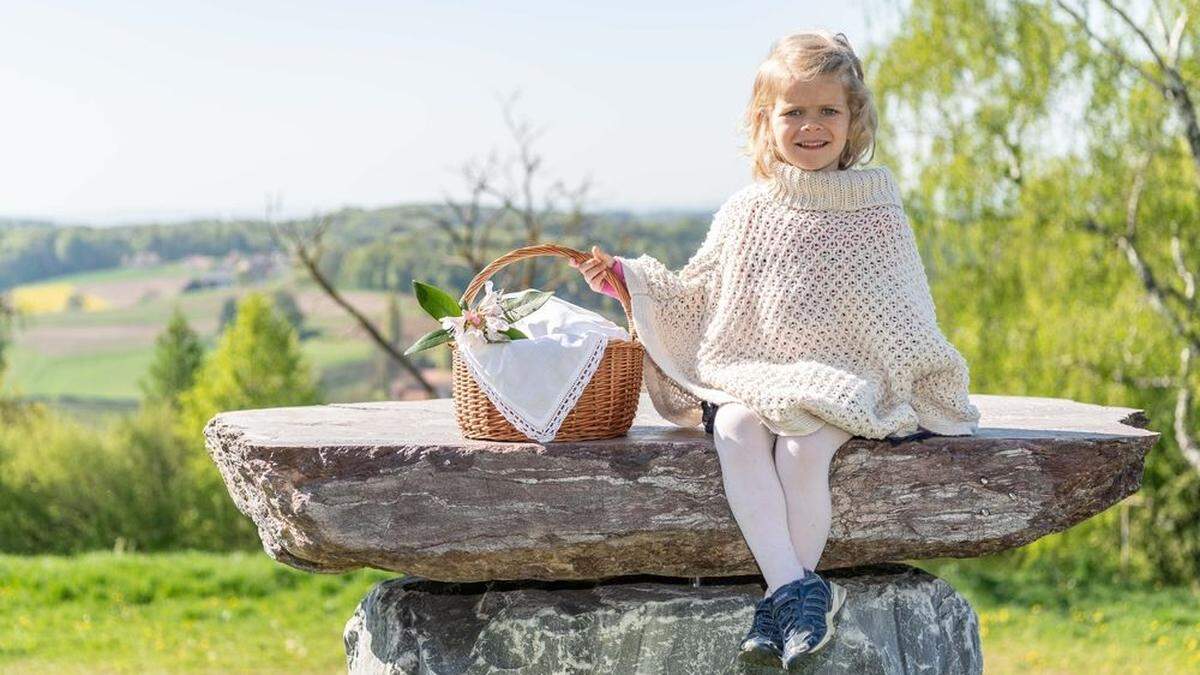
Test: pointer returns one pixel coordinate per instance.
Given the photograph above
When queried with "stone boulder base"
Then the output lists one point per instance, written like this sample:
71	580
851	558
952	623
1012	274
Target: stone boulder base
897	619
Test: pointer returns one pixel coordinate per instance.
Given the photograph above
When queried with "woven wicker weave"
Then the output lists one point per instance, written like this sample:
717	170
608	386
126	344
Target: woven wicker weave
607	405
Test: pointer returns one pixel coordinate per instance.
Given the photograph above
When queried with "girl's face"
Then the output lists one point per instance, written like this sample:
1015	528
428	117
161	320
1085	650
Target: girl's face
810	122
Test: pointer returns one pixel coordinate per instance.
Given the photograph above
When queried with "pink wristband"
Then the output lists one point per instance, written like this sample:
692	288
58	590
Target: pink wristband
607	288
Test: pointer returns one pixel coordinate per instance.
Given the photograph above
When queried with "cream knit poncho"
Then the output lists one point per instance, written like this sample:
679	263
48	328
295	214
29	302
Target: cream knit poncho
808	303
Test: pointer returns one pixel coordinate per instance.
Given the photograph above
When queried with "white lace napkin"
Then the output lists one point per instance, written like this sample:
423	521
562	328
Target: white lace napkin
534	383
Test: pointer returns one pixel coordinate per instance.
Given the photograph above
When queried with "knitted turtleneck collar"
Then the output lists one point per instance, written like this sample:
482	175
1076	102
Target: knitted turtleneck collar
842	190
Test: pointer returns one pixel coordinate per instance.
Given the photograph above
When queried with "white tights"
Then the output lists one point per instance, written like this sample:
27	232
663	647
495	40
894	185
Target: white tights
778	489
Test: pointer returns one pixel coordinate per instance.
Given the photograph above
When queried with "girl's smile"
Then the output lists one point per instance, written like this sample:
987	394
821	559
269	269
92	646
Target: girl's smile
810	123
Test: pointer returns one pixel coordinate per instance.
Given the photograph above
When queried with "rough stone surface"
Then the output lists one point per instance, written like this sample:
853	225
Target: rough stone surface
394	485
897	619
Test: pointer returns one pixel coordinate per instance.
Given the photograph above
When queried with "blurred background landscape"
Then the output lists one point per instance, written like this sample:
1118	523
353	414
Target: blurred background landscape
1049	168
91	301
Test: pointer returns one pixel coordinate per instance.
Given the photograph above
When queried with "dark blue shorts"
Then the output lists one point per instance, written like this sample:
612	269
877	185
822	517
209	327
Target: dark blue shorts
708	413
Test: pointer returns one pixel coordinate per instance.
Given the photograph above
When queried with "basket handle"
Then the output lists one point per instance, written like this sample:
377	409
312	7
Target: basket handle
551	250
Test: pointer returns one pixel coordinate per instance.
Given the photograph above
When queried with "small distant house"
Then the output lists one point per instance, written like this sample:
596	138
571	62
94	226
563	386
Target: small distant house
142	259
210	280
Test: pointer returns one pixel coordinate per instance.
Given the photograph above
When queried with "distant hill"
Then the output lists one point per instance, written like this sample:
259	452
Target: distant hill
15	223
395	239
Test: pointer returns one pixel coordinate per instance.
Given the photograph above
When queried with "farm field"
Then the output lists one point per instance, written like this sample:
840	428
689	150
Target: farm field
98	353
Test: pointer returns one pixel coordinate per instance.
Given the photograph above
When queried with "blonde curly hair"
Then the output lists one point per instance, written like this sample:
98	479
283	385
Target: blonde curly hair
802	57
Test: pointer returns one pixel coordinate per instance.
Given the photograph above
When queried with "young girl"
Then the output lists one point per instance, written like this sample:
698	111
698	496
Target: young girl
804	319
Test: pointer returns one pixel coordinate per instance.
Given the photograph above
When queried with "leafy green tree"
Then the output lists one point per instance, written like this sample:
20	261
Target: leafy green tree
286	305
7	315
228	314
257	364
1049	151
387	367
178	354
155	505
67	487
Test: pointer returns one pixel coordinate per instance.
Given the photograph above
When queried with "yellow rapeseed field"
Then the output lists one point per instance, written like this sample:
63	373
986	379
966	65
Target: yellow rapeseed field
54	297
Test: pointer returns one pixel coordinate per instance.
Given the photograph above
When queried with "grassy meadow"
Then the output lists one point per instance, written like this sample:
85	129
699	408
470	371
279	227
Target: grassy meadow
1032	624
176	612
242	612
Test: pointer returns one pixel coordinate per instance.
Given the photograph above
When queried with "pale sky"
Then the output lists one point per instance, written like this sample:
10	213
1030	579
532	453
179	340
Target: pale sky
119	111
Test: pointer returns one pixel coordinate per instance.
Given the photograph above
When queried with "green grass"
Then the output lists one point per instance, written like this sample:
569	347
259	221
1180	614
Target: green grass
111	375
173	269
1030	624
205	612
323	352
182	612
114	374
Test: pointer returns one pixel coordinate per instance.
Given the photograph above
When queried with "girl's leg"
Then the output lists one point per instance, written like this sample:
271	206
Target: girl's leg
803	466
752	488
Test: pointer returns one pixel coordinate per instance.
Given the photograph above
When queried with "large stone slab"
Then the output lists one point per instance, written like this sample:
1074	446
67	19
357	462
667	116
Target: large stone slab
394	485
897	619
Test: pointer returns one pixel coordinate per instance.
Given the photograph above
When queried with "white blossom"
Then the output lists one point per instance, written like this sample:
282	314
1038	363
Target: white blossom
490	304
485	323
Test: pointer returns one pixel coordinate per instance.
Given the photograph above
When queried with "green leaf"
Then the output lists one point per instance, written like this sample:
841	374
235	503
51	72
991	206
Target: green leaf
436	302
524	304
515	333
430	339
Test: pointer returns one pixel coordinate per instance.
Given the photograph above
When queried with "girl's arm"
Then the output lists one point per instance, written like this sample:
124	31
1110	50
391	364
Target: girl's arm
693	282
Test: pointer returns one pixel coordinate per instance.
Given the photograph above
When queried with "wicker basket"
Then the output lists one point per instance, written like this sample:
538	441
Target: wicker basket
608	403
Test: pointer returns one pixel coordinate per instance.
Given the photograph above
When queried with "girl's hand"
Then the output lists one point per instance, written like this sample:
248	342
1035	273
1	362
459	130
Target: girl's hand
593	269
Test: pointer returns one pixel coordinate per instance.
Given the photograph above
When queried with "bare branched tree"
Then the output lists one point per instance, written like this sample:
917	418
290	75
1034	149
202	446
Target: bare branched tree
468	223
508	192
499	193
1174	300
304	241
